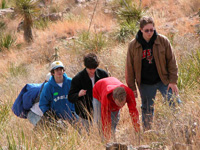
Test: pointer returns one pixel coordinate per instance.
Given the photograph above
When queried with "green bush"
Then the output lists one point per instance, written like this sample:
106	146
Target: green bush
91	42
189	71
6	41
128	15
126	31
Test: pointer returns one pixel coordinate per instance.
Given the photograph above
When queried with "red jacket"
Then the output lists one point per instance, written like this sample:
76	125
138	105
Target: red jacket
102	91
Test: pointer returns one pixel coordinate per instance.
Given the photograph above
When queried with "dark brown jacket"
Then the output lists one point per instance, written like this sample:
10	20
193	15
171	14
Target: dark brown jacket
164	58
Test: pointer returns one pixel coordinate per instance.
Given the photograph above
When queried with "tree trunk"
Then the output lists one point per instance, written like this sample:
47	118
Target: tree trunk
28	36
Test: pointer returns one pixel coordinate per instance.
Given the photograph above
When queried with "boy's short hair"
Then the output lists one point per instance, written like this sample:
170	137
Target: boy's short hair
119	93
91	61
146	20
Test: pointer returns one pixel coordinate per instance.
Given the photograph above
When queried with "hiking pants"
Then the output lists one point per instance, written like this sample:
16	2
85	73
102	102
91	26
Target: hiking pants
148	93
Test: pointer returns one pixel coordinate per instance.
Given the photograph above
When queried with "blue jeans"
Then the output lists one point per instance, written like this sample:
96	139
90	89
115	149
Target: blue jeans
148	93
33	118
115	115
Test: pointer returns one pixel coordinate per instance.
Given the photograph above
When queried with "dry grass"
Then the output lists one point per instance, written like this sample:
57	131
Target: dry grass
30	63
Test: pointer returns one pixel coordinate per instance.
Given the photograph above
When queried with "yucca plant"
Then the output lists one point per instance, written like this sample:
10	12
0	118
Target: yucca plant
129	13
125	31
6	40
27	9
128	16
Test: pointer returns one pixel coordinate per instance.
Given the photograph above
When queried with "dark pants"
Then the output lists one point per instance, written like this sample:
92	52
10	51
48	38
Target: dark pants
148	93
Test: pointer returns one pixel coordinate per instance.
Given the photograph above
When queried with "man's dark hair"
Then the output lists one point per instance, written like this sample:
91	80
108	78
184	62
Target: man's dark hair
91	61
146	20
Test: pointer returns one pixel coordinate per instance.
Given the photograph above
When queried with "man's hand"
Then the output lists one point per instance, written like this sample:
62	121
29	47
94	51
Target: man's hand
135	94
174	88
137	127
82	93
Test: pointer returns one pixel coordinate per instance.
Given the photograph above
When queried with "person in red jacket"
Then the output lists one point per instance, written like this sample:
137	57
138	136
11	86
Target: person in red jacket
109	96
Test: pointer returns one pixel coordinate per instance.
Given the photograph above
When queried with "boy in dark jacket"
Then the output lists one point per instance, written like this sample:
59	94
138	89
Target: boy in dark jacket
81	88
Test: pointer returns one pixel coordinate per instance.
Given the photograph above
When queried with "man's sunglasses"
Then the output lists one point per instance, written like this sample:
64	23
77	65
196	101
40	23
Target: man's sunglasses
149	30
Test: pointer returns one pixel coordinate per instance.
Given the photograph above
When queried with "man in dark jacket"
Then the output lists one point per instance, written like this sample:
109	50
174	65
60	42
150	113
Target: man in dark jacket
81	88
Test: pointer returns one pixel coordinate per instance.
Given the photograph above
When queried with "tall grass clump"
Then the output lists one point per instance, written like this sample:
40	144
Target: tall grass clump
6	41
128	15
2	25
3	4
41	23
189	71
17	70
19	142
4	114
91	41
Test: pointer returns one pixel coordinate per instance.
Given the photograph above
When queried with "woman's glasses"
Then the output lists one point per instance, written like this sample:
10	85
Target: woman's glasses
149	30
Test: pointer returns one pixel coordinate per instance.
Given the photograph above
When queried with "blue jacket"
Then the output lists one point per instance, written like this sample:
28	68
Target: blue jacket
26	99
55	98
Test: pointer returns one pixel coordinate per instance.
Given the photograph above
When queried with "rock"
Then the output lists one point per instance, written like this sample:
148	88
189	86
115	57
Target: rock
67	9
80	1
144	147
52	16
6	11
107	11
116	146
55	16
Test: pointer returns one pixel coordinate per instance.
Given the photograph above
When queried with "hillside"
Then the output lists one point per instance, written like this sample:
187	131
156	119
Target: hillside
96	26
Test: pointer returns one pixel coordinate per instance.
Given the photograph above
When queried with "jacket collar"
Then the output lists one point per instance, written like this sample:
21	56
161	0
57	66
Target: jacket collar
96	74
157	42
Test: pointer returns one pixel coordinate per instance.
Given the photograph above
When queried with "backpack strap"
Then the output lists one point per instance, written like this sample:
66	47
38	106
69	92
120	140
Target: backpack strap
38	97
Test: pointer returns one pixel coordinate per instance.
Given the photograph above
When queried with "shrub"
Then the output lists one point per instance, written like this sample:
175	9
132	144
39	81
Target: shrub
126	31
91	42
189	71
6	41
128	15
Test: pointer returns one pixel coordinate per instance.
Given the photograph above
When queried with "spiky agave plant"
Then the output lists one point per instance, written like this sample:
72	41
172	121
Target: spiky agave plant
27	9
